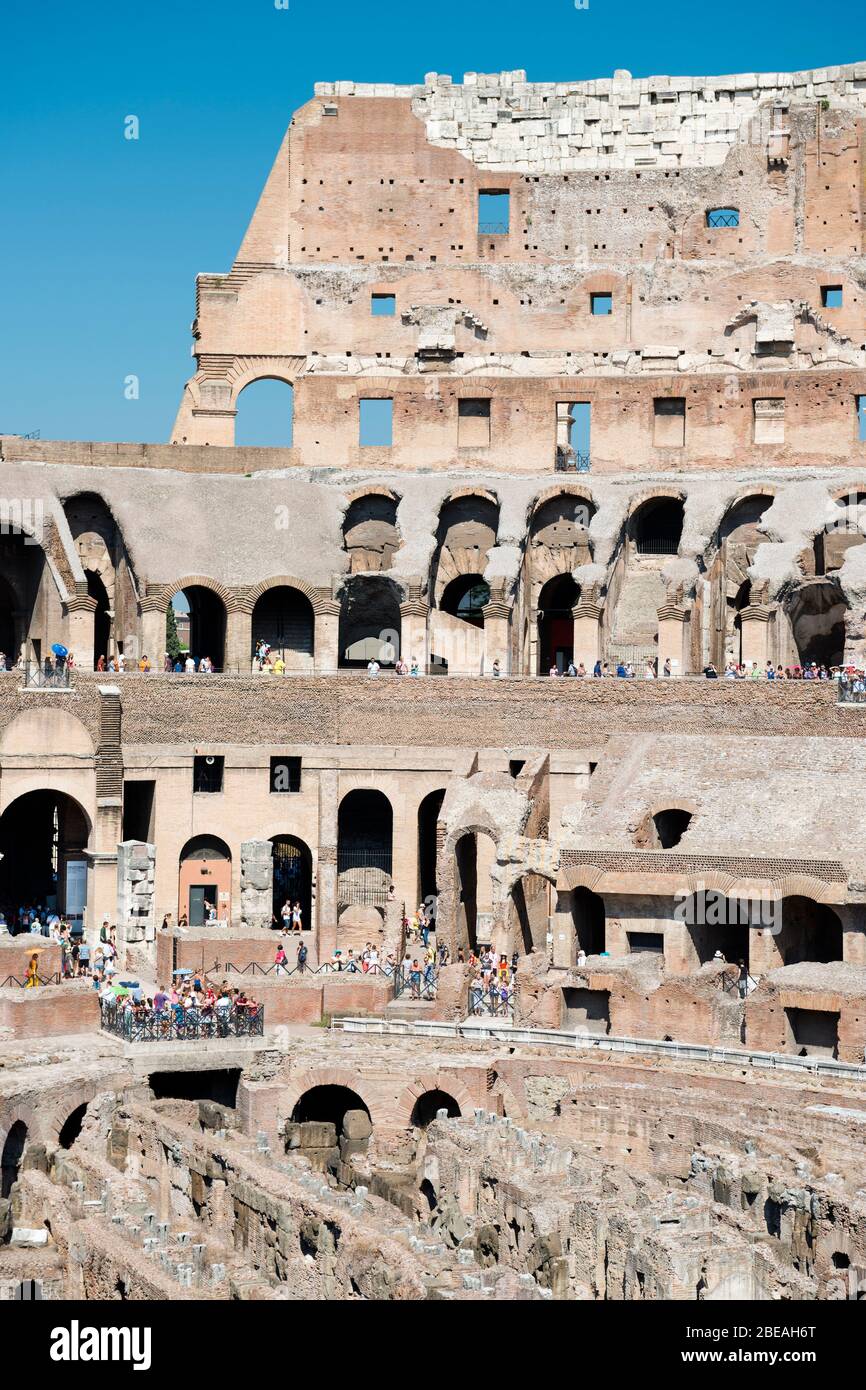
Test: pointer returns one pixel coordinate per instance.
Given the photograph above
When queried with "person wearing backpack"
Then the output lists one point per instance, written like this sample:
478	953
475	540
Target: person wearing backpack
302	956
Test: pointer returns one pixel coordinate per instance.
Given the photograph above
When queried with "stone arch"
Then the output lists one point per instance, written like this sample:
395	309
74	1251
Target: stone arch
204	877
246	370
330	1076
665	823
12	1150
73	1100
370	623
816	612
656	519
426	1084
209	605
266	418
43	834
528	914
284	618
45	732
371	533
281	581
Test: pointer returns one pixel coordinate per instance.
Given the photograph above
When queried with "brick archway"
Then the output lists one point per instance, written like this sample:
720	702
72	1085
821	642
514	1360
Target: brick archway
328	1076
430	1081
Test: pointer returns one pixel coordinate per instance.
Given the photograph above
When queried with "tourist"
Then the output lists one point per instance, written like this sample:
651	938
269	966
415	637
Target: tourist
297	923
302	957
710	672
581	958
373	667
596	670
554	671
495	671
581	672
281	960
32	977
414	669
743	979
286	914
144	663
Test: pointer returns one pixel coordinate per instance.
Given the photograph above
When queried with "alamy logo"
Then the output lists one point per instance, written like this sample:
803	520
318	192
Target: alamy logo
77	1343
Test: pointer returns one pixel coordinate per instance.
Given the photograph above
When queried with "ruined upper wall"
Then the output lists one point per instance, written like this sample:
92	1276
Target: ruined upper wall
501	121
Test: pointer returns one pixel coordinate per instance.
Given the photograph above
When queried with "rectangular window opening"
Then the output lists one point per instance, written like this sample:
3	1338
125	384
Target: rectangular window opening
831	296
669	423
494	212
383	305
723	217
376	425
473	423
573	428
601	304
207	773
285	774
861	418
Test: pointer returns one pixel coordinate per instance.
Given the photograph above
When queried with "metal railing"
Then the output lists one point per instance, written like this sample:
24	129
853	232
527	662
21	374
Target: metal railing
189	1025
417	984
570	461
658	545
328	967
54	979
46	676
730	983
488	1002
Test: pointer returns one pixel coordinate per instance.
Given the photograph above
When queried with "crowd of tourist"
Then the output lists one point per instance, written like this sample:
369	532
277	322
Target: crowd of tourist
187	1002
492	981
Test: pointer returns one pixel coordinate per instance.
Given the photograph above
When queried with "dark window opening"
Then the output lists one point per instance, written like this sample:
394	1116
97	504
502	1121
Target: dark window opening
220	1085
328	1105
657	526
671	826
285	774
516	766
646	941
813	1032
831	296
586	1010
138	805
207	773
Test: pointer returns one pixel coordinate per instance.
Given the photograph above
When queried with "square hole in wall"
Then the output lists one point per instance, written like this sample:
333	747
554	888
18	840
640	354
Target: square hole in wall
601	304
207	773
831	296
383	305
473	423
285	774
669	422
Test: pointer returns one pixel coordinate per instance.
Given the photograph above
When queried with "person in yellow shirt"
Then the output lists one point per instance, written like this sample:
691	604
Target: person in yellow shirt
144	663
279	666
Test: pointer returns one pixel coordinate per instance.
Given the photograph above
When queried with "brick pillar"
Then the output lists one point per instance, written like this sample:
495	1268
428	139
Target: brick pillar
673	638
239	640
326	635
853	919
587	633
563	925
497	636
153	610
80	612
326	890
102	900
413	631
764	951
755	626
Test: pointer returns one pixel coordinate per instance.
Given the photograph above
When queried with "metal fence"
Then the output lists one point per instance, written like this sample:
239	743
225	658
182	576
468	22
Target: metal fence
492	228
416	984
46	676
54	979
188	1025
570	461
328	967
658	545
489	1002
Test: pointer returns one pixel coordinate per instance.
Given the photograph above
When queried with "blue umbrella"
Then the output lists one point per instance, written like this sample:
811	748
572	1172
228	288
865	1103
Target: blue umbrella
59	649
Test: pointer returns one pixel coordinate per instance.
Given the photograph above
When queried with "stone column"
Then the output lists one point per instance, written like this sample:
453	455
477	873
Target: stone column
587	633
755	629
257	883
239	640
153	609
497	636
102	874
673	635
80	611
563	925
764	951
413	631
326	635
136	862
326	897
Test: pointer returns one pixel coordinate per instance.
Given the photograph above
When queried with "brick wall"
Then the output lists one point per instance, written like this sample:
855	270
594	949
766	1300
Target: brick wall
51	1012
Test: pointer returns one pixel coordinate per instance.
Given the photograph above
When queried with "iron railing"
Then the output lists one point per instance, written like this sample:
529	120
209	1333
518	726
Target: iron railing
571	461
488	1001
658	545
347	967
417	984
189	1025
46	676
54	979
723	217
730	982
363	877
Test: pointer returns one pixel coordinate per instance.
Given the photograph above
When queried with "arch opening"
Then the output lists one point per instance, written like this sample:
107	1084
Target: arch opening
817	613
657	526
426	1107
428	816
370	533
365	825
219	1084
204	880
370	622
284	623
328	1105
200	619
556	623
810	932
43	839
265	414
71	1127
11	1159
589	919
293	879
101	617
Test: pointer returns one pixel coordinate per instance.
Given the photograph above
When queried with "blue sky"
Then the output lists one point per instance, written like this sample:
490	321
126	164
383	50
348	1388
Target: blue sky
101	237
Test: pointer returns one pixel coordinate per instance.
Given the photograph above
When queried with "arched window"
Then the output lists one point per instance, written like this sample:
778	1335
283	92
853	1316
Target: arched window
265	414
656	526
556	623
284	622
723	217
465	598
205	880
370	622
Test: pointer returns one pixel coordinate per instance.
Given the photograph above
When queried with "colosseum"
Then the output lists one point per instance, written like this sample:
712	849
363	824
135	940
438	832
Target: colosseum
431	864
